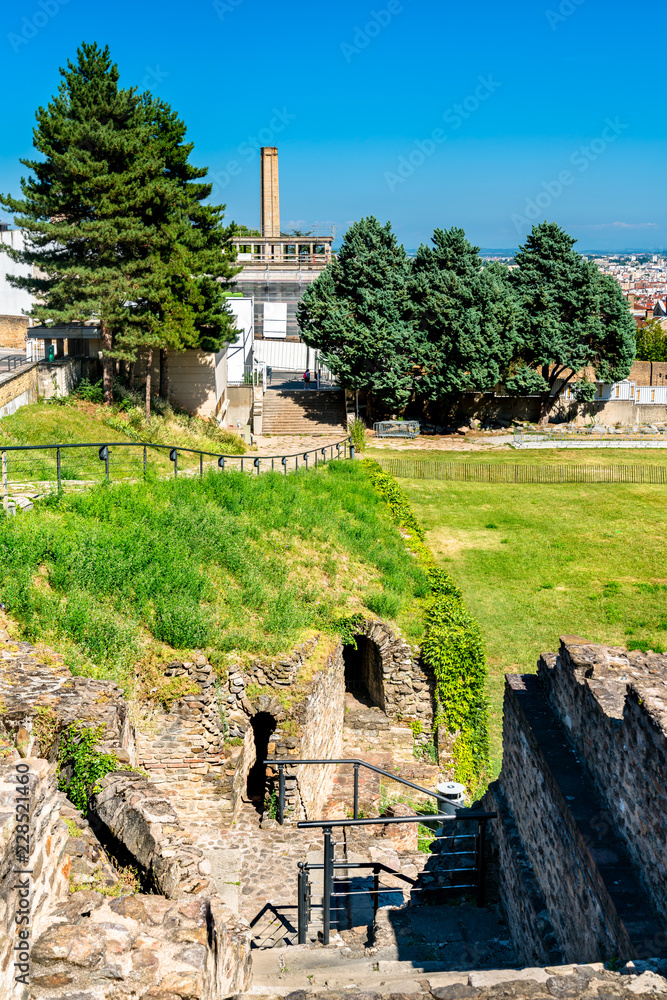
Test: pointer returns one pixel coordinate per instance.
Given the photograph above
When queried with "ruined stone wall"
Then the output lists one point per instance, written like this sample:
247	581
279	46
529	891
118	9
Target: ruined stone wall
613	704
585	921
407	687
47	860
511	878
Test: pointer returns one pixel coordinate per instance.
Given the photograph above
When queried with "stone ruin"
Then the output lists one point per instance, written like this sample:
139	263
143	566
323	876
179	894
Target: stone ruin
576	859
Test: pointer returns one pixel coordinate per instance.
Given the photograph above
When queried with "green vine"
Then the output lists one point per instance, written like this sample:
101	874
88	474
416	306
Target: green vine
452	646
78	752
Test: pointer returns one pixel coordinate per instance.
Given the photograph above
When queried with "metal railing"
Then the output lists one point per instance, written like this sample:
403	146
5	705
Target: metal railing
473	871
194	461
597	436
447	813
10	362
397	428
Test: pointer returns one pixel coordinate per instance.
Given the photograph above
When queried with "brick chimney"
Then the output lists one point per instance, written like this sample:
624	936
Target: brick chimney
270	199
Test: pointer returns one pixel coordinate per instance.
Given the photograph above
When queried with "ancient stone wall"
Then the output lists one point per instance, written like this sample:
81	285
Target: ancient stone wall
511	878
402	685
613	704
40	697
586	923
141	946
39	893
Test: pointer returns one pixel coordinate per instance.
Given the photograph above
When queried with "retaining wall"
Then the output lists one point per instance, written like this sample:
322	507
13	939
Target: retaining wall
18	388
50	866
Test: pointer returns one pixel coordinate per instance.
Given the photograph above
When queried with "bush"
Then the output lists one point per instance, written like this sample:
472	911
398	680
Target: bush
357	431
89	392
84	766
181	622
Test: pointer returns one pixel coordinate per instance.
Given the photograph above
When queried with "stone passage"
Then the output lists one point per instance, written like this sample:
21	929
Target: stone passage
363	671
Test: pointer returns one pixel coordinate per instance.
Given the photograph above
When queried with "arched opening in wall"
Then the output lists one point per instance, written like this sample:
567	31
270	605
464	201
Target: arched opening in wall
363	672
263	724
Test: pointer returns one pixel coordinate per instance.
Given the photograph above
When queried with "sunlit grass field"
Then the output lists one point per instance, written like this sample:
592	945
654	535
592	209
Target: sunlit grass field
539	561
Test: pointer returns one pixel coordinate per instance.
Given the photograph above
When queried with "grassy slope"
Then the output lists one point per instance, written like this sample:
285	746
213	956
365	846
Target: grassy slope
118	577
78	421
538	561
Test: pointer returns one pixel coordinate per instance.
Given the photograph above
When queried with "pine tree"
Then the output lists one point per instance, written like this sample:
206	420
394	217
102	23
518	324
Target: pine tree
357	314
89	210
573	317
465	317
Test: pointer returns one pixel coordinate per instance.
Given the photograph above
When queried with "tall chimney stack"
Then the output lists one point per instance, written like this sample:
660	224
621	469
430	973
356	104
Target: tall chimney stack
270	199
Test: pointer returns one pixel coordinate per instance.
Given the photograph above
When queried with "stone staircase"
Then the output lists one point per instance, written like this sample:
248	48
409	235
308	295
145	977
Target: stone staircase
306	411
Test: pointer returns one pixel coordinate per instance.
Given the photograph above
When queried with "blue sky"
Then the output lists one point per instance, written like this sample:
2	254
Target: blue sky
424	112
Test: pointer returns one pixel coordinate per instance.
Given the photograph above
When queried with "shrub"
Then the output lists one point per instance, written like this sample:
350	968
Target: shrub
357	431
89	392
181	622
85	764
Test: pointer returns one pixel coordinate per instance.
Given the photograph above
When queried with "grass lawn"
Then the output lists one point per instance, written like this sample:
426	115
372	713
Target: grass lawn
537	456
539	561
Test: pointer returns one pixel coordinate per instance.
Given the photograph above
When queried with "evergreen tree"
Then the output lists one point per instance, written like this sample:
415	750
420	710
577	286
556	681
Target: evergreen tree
464	315
89	210
572	317
357	314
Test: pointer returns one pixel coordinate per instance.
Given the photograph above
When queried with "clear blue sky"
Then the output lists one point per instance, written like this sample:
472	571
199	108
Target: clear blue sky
351	93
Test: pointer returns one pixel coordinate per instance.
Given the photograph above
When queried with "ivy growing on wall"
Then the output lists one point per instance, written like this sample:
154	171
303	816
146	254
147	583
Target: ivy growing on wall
452	646
82	765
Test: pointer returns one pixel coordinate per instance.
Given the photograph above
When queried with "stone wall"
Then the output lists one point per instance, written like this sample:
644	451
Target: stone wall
40	697
402	685
17	389
141	946
47	860
613	704
59	377
586	923
13	331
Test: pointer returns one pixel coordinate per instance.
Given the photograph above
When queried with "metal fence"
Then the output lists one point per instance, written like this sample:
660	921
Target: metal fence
396	428
487	472
58	466
560	436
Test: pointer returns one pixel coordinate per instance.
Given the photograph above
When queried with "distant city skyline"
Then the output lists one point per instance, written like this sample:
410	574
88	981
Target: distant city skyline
410	110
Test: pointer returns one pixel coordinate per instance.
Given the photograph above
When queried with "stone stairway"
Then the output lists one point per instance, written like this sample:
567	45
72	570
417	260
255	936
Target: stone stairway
306	411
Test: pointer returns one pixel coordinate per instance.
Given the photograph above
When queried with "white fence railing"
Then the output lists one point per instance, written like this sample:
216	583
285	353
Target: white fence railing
644	394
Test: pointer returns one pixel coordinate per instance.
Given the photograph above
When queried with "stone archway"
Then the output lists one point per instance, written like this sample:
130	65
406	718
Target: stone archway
364	676
262	724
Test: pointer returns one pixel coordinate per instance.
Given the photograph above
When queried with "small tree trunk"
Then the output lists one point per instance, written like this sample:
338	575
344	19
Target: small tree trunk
149	364
107	365
131	378
164	374
546	405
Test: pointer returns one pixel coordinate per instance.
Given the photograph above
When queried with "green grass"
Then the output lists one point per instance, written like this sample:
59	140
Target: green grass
76	421
118	576
537	456
535	562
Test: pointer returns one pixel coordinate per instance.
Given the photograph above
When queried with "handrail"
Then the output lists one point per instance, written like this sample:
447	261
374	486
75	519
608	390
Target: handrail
173	450
458	814
357	762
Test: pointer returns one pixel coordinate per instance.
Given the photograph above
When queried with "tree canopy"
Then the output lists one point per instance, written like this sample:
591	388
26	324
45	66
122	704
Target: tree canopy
426	329
113	211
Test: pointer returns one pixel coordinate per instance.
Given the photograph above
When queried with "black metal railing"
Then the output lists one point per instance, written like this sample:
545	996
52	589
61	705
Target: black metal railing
11	362
194	462
444	804
473	870
447	813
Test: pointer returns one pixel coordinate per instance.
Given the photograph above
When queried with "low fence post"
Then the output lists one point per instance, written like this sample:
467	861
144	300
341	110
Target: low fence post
376	889
256	464
104	457
58	468
328	885
201	464
5	488
173	457
284	463
302	895
145	461
221	463
351	451
305	458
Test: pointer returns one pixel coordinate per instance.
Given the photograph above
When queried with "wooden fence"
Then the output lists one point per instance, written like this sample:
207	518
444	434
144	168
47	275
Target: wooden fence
488	472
